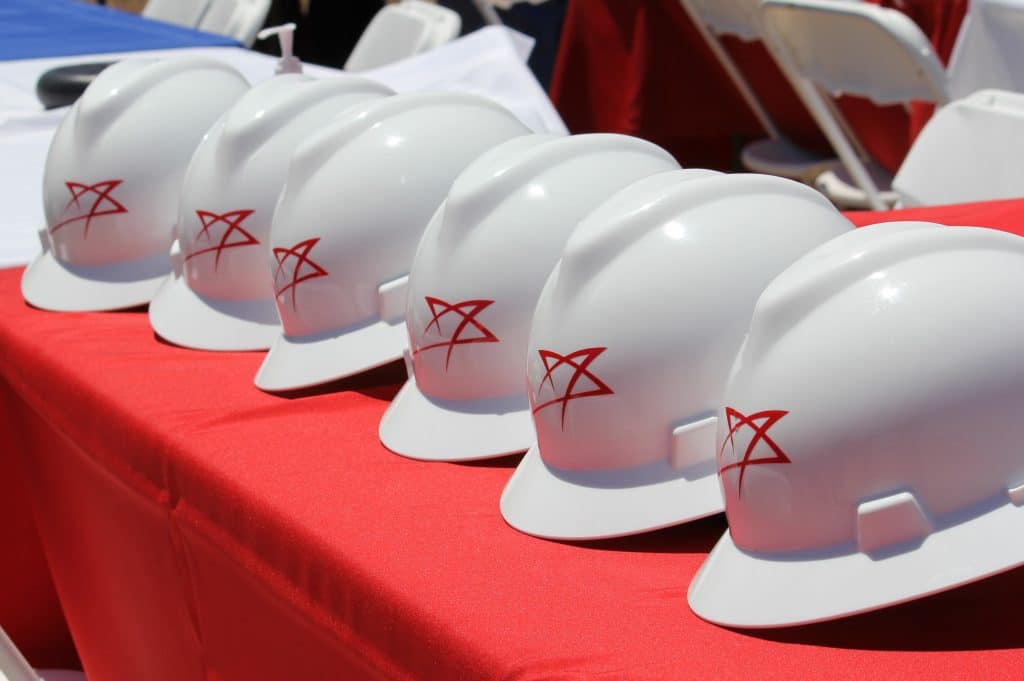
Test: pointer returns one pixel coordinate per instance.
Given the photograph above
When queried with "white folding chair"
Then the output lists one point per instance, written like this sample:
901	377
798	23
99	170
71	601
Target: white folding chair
402	30
14	667
775	155
239	19
854	48
989	49
182	12
970	150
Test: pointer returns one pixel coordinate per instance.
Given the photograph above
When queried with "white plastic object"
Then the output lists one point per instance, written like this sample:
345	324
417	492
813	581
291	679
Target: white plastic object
238	19
288	63
13	666
113	173
402	30
182	12
224	297
970	150
853	48
833	180
631	344
475	280
869	444
356	200
988	51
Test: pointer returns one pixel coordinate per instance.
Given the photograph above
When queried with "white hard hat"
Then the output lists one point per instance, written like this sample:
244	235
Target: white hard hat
475	281
870	439
632	342
357	199
112	178
221	296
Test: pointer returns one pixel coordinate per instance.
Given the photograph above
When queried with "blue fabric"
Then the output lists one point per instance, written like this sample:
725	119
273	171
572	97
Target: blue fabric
58	28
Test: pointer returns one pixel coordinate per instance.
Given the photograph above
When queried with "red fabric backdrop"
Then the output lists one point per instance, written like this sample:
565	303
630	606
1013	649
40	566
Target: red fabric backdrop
640	67
197	528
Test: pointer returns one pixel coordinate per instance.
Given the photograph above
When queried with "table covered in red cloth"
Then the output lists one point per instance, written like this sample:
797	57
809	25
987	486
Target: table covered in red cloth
197	528
640	67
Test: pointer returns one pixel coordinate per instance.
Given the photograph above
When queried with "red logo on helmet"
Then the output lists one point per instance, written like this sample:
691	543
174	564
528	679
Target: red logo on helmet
102	204
301	267
735	421
234	230
578	363
466	312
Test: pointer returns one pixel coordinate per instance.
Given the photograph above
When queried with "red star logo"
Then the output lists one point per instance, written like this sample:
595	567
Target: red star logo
579	363
234	230
302	268
102	204
467	312
736	420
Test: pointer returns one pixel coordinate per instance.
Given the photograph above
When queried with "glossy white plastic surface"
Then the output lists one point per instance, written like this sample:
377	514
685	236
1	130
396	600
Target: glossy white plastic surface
356	201
631	345
869	446
113	174
970	150
475	281
224	298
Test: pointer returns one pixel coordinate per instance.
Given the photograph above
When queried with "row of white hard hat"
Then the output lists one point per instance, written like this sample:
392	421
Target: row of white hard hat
702	341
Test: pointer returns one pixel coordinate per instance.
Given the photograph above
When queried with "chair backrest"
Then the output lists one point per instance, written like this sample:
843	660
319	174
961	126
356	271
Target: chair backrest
739	18
239	19
403	30
970	150
856	48
182	12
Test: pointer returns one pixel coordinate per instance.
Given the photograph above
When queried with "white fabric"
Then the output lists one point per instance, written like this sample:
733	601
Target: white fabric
490	62
989	50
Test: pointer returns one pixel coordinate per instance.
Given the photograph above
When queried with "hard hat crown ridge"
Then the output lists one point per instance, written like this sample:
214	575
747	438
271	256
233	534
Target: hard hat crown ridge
251	123
476	192
318	149
837	264
122	84
608	231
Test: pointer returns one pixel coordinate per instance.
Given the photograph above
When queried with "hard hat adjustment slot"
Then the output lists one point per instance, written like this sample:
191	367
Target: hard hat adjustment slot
693	442
391	297
891	524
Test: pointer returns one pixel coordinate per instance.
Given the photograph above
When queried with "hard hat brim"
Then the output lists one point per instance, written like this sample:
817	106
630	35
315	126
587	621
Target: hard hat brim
50	284
295	363
735	588
574	505
183	317
420	427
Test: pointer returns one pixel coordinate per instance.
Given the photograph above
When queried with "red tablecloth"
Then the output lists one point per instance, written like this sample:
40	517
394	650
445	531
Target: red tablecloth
640	67
197	528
